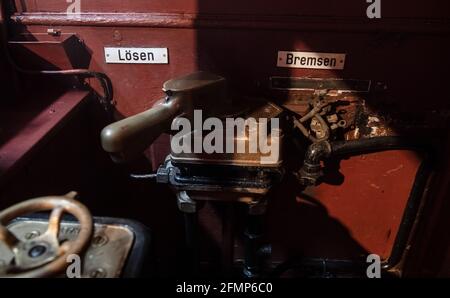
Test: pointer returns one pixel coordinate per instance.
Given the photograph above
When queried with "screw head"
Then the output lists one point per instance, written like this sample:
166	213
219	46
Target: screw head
98	273
99	241
32	235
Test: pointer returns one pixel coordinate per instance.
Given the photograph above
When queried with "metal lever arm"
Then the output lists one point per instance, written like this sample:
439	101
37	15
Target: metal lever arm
126	139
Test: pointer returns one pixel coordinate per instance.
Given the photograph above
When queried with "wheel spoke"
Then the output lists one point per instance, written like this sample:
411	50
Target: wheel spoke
54	222
8	238
63	248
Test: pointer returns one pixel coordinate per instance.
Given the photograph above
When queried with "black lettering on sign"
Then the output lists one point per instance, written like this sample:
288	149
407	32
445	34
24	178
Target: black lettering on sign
289	58
135	56
311	60
333	62
320	61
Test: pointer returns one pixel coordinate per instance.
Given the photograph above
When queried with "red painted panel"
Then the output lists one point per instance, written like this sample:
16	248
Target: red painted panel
247	59
356	216
357	8
25	128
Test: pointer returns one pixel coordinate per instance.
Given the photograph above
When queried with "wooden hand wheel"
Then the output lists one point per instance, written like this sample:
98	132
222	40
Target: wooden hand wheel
44	256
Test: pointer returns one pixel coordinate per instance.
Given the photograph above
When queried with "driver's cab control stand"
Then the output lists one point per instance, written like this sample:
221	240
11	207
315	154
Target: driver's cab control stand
72	245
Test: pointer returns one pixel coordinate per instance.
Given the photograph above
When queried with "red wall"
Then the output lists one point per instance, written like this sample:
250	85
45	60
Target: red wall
407	49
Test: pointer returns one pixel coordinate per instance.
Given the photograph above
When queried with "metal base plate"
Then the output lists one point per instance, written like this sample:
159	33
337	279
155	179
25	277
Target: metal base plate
106	256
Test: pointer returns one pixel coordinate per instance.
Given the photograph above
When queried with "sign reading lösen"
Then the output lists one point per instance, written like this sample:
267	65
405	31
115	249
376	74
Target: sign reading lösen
137	55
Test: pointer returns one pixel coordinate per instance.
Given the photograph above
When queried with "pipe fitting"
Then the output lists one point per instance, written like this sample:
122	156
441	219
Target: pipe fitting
311	170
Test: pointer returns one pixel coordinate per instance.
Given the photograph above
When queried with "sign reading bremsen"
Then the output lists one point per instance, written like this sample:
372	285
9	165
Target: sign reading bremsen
311	60
137	55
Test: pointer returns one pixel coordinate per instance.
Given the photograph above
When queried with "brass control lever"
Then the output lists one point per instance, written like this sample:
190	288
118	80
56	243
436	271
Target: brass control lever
125	140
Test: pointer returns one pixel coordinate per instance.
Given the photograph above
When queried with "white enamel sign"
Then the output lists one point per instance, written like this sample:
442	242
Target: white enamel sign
311	60
137	55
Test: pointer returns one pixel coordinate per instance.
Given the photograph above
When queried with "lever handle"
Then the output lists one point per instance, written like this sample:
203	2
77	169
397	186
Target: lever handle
127	139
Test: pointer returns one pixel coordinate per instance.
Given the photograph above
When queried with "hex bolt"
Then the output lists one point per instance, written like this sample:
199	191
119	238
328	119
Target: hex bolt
32	235
99	241
117	36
